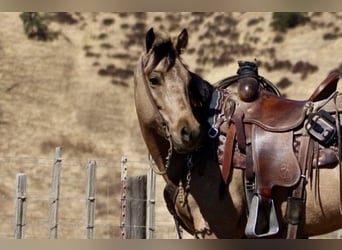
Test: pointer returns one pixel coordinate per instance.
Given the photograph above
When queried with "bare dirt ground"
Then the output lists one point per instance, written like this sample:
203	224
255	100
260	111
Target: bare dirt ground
76	91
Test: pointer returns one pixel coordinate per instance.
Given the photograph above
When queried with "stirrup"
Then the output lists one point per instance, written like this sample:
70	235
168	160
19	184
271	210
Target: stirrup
253	219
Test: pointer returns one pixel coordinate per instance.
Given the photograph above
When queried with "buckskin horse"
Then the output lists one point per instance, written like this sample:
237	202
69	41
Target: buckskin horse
245	164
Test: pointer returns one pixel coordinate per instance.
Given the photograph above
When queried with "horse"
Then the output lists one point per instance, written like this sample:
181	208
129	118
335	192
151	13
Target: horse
173	105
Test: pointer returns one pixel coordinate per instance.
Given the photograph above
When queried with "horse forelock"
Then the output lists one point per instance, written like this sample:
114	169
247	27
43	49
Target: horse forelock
162	48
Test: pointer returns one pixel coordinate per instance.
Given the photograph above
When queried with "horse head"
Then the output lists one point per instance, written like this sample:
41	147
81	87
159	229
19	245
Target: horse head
167	83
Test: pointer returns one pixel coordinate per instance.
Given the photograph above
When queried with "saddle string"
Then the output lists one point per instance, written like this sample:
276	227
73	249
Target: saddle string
317	105
316	178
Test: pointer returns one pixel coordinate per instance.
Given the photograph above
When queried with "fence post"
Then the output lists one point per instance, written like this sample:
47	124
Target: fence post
91	191
20	206
151	204
135	219
55	193
133	198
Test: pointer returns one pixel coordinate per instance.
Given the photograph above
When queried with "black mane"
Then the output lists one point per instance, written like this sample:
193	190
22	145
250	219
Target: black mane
200	92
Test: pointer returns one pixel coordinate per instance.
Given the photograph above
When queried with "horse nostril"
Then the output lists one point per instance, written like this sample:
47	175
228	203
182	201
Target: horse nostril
186	134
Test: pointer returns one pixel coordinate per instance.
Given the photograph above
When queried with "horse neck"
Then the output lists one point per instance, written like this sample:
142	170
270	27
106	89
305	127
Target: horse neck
202	91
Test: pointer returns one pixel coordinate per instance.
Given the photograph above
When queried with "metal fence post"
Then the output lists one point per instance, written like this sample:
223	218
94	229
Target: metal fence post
151	192
133	204
20	206
123	195
90	206
55	193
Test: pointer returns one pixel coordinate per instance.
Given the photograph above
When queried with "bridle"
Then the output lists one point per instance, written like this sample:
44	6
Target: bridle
161	122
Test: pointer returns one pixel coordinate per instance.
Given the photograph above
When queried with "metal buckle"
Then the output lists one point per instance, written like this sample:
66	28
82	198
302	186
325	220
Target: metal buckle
250	185
213	132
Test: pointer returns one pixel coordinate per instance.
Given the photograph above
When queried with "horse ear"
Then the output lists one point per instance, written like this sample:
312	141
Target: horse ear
182	41
149	39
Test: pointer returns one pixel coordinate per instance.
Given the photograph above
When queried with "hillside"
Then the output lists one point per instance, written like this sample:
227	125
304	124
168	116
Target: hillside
76	91
56	92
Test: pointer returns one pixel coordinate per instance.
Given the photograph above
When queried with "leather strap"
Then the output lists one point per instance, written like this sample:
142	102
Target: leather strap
305	158
237	118
228	152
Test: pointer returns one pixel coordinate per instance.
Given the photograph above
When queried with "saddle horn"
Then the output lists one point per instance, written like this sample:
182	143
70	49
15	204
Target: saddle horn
249	87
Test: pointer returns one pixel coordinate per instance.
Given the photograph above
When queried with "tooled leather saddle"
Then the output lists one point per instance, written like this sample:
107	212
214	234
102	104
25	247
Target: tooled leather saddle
277	141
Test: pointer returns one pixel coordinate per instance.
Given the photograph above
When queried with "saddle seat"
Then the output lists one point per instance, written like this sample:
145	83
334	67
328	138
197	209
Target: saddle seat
274	113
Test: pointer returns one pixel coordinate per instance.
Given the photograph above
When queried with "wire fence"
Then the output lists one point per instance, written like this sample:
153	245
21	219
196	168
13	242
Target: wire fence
75	198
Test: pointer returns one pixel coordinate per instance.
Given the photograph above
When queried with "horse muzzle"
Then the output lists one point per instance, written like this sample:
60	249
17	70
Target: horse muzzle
186	139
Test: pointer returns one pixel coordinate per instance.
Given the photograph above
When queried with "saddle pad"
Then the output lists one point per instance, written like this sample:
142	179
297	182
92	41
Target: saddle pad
274	159
274	113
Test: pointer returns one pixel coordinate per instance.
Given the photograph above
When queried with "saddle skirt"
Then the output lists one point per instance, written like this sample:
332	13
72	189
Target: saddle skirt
272	125
280	168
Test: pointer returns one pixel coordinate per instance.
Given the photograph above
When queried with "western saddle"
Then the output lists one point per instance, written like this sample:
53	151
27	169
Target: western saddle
277	141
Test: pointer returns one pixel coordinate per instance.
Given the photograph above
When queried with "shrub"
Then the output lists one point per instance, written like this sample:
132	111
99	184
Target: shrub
35	25
281	21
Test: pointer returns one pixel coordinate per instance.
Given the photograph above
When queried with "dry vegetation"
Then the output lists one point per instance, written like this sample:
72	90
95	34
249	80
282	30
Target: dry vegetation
76	91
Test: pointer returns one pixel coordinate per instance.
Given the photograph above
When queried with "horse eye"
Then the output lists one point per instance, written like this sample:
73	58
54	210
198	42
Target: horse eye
154	80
